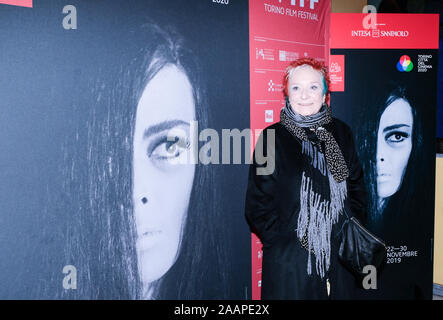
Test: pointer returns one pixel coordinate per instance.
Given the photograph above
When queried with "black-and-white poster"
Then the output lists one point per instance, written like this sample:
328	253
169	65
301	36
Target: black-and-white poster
104	193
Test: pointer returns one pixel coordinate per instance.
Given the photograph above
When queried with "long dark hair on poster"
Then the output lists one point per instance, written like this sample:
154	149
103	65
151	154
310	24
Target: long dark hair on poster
376	101
100	232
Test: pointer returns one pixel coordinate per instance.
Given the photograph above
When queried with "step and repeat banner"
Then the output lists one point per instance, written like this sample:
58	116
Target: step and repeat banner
96	201
280	31
385	82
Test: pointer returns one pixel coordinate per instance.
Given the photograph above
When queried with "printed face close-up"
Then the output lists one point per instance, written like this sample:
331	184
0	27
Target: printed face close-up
305	90
394	145
161	187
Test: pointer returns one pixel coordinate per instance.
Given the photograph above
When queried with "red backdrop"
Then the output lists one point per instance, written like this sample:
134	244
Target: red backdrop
280	31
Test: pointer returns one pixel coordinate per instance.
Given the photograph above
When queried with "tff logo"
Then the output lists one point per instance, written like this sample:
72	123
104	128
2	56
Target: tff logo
19	3
302	3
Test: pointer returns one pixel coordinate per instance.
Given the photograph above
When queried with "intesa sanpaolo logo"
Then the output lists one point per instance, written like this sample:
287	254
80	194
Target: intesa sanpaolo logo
20	3
405	64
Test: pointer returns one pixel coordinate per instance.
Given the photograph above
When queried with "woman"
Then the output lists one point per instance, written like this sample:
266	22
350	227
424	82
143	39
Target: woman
143	225
297	210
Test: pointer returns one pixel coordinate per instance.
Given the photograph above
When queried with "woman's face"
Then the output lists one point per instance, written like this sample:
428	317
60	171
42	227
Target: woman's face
162	189
305	90
394	144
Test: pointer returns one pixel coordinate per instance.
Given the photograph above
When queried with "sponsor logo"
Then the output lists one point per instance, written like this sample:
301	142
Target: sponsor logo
287	55
335	67
380	33
271	85
269	115
405	64
264	54
274	87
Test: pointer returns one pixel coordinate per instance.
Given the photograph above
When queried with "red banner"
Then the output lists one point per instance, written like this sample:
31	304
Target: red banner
280	31
20	3
337	72
388	31
379	31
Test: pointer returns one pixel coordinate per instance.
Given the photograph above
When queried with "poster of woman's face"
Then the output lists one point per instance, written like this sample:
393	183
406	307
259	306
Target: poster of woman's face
392	115
160	220
112	106
394	145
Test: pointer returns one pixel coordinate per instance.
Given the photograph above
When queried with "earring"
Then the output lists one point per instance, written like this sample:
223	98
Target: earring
144	200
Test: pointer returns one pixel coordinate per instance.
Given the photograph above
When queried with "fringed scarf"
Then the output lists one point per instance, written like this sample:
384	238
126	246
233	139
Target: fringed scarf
323	186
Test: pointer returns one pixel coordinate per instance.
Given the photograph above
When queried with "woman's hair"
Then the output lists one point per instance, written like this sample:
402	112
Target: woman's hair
316	65
376	103
100	231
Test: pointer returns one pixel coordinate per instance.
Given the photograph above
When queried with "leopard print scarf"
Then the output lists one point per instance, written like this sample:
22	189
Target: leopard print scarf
295	124
323	187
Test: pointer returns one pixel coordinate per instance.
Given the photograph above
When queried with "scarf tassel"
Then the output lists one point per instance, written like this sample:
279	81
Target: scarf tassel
317	215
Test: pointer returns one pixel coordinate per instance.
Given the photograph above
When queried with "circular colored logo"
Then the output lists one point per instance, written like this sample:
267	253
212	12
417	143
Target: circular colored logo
405	64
